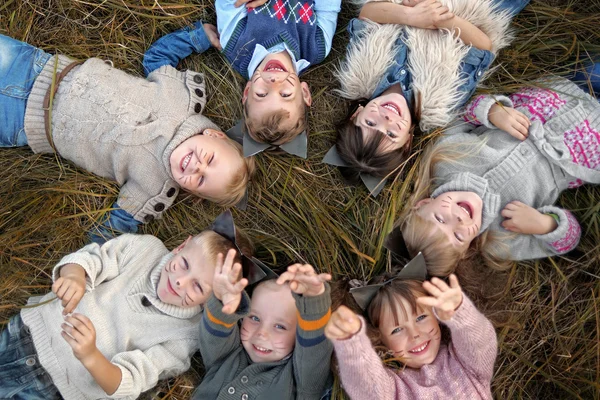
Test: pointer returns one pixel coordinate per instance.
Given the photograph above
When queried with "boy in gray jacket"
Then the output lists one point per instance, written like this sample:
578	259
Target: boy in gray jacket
279	351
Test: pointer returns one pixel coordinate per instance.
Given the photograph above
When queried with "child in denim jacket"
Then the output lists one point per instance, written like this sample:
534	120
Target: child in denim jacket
149	135
270	44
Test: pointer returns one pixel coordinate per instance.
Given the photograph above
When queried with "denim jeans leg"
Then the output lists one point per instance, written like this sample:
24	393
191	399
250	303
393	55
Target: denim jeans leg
118	221
513	6
21	374
20	64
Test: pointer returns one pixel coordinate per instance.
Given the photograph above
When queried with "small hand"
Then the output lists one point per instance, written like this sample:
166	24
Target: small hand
445	299
80	334
521	218
304	280
70	287
427	14
511	121
343	324
213	35
226	286
250	3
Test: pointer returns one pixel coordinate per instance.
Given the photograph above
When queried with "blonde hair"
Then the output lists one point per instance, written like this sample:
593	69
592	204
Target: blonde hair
236	189
268	128
212	244
422	235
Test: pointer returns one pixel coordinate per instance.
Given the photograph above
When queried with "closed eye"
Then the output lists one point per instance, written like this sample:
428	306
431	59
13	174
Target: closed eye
458	237
285	94
211	158
199	286
439	219
261	94
201	181
185	263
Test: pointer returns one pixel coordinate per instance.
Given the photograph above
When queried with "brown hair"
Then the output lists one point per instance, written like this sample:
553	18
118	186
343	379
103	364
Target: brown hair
268	128
235	191
389	297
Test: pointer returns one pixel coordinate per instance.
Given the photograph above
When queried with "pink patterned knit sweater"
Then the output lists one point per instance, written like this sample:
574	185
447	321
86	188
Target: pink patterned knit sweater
462	370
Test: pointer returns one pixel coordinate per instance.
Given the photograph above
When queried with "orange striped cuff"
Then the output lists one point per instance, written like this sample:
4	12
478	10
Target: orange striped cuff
313	325
217	321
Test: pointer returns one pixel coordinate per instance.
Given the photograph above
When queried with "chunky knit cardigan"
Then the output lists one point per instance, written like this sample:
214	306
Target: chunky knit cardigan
462	370
146	338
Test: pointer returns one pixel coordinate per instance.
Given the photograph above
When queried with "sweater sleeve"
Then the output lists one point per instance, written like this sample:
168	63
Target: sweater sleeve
477	111
103	263
362	372
219	334
141	370
327	12
474	341
312	352
174	47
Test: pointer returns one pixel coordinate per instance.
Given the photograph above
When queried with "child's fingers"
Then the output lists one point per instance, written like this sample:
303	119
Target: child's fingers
239	286
57	284
234	273
73	332
507	213
228	264
85	321
431	289
440	284
219	269
285	277
509	225
428	301
324	277
454	282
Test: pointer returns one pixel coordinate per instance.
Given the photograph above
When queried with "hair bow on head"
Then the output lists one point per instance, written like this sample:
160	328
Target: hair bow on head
252	268
415	269
297	147
394	242
374	184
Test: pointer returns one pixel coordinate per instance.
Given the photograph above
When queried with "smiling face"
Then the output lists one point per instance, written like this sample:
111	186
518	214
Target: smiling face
457	214
276	89
416	336
186	280
269	332
385	115
206	164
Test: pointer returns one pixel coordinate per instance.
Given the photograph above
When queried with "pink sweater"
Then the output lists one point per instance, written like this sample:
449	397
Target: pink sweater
461	370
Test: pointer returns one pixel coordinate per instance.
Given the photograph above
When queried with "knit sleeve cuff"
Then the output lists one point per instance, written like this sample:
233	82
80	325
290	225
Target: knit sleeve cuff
126	386
76	258
314	306
466	314
217	319
477	111
354	345
566	235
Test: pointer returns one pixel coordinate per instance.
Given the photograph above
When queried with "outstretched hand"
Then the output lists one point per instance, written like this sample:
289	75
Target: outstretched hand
445	299
343	324
521	218
511	121
304	280
213	35
226	286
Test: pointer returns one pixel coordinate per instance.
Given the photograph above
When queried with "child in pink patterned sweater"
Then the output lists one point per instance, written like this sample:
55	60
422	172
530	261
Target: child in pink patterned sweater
407	314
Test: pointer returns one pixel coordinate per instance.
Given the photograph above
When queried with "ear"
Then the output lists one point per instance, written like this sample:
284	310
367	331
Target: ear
306	93
358	110
423	202
246	90
214	133
182	245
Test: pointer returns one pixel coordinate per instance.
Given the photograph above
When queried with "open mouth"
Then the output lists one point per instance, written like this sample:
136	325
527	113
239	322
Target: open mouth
274	66
261	350
421	349
392	107
170	288
466	207
185	161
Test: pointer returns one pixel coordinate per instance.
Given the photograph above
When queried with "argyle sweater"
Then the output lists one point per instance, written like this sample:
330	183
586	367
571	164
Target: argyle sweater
231	374
292	22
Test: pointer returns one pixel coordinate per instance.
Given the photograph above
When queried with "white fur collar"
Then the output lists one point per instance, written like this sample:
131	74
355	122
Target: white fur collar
433	60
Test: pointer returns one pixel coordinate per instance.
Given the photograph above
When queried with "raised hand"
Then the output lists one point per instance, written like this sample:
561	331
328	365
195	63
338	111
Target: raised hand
226	285
445	299
80	334
304	280
250	3
521	218
511	121
427	14
70	287
343	324
213	35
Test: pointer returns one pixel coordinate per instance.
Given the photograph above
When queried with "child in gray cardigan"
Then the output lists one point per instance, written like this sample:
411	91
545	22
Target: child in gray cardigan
489	185
138	311
279	351
149	135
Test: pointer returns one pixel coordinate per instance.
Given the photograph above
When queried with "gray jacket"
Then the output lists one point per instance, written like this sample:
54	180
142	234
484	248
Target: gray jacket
120	126
500	168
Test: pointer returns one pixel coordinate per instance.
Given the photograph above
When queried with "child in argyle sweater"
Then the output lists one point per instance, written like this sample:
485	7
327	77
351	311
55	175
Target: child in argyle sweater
279	351
270	44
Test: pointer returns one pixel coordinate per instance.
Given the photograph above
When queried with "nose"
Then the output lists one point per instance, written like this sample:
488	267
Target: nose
182	281
200	167
262	333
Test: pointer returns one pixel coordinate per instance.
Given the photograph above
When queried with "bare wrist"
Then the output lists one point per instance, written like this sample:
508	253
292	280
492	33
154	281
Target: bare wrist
549	223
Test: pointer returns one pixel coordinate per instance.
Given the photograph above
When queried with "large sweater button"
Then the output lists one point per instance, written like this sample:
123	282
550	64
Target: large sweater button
159	207
198	78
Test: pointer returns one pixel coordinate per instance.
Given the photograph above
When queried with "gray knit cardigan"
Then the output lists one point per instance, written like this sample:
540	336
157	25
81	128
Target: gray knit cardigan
120	126
500	168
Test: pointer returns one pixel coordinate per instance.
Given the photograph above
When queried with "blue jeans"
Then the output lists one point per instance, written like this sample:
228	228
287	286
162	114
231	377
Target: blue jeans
20	64
118	221
21	374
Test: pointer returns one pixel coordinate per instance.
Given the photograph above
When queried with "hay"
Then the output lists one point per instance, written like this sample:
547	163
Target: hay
547	312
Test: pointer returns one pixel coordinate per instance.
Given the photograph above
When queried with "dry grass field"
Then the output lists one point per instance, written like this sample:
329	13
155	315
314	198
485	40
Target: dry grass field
547	312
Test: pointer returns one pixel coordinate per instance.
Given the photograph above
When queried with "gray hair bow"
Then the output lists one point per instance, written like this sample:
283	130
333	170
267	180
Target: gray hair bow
296	147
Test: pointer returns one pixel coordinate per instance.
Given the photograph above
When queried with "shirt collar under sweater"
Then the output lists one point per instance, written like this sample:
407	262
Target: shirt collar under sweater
468	182
149	289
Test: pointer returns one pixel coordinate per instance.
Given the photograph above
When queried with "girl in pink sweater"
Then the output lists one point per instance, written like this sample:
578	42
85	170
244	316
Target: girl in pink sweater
407	314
